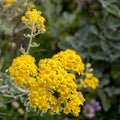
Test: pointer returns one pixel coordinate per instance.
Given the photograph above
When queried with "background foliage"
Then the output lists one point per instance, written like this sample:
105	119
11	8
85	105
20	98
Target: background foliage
91	28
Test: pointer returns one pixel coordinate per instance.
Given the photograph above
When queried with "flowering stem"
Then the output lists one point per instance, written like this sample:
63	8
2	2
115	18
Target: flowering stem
30	41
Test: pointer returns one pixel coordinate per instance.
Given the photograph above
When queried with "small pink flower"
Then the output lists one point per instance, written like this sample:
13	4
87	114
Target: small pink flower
95	104
15	104
88	111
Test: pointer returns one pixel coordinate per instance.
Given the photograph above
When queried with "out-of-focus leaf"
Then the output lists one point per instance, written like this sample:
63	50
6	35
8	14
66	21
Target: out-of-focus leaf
105	102
104	82
98	73
113	9
6	28
115	72
106	3
69	17
94	30
112	22
112	91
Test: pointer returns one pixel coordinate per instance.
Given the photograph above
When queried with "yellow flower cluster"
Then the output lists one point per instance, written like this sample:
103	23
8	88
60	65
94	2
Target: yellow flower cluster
90	81
53	78
52	87
34	21
70	61
9	3
24	70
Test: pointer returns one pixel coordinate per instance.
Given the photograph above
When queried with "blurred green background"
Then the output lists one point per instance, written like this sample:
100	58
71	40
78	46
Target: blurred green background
91	28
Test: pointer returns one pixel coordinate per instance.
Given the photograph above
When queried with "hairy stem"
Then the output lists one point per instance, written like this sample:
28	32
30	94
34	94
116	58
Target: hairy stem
30	41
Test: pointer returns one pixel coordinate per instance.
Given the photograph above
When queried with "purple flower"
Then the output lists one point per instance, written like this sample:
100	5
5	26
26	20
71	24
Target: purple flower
95	104
88	111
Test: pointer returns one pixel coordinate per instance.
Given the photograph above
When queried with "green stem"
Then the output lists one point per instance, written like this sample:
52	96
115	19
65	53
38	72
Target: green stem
30	41
25	116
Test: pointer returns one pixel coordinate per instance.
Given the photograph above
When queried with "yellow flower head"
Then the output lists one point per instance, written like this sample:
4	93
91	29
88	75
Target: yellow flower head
23	70
34	21
70	60
90	81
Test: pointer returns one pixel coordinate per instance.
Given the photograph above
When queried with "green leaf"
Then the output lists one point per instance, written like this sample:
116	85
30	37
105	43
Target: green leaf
69	17
112	22
106	3
115	72
104	82
105	102
94	30
112	91
113	9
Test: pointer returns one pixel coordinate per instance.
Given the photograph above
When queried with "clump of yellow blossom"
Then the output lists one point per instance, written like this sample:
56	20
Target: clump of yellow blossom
90	81
70	60
34	21
52	84
57	90
9	3
24	70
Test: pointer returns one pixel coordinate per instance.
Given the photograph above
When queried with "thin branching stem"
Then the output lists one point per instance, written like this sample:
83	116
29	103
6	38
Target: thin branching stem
30	42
